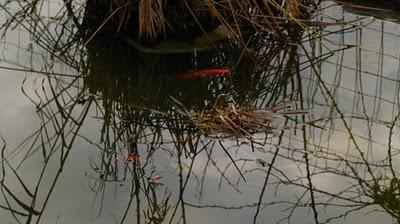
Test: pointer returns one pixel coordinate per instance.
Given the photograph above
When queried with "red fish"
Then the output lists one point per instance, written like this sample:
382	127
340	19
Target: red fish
204	73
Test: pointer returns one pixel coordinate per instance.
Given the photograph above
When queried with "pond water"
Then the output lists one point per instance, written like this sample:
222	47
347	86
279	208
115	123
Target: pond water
106	133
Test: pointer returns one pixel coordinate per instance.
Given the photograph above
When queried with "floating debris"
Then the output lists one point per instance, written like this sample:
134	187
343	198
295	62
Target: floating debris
131	157
239	121
261	162
155	180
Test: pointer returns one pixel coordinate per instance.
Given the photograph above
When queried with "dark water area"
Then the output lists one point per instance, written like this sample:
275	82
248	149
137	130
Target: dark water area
104	131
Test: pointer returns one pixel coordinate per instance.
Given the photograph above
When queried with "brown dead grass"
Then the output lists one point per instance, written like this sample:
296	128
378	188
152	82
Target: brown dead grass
151	18
234	15
238	121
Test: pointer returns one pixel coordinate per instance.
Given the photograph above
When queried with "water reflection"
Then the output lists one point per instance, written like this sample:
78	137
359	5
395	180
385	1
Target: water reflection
332	153
384	10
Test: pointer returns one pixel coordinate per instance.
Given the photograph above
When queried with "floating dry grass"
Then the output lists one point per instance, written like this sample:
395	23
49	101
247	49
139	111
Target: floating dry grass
241	121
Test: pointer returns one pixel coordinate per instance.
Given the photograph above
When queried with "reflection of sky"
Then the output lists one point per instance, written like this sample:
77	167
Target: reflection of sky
379	89
72	200
18	115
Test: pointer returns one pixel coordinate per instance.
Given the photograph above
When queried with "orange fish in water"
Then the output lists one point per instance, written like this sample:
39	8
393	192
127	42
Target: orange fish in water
204	73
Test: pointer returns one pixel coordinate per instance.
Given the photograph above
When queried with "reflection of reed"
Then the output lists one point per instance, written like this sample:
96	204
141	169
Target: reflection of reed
54	140
150	123
136	97
385	10
155	122
369	171
149	81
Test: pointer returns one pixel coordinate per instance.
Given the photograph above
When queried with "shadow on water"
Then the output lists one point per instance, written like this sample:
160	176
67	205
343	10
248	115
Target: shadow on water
329	150
384	10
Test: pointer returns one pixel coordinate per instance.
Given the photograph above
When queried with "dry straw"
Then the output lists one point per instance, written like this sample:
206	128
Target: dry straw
235	15
151	18
239	121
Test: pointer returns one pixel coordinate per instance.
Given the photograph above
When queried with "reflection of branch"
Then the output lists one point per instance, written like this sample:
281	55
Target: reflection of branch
271	164
53	136
306	156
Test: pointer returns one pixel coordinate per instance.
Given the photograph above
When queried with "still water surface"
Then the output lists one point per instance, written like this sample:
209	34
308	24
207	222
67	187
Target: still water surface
70	121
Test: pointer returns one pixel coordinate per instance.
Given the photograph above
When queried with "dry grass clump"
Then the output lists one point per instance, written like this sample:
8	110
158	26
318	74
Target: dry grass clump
238	121
271	15
151	18
156	17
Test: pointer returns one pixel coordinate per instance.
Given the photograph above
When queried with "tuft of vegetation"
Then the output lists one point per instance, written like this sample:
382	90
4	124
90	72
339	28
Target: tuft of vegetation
155	20
239	121
158	19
